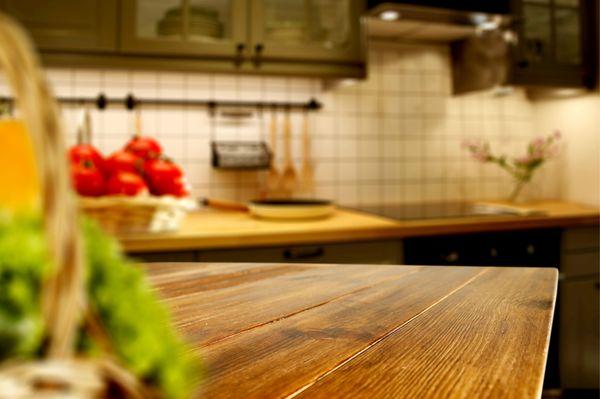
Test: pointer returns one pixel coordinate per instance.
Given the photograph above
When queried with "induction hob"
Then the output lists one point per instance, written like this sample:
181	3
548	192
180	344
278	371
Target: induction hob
426	210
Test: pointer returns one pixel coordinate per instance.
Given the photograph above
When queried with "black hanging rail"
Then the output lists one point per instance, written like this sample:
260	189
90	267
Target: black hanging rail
130	102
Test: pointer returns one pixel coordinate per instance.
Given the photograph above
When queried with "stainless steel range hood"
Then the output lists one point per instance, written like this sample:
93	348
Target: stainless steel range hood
479	40
398	20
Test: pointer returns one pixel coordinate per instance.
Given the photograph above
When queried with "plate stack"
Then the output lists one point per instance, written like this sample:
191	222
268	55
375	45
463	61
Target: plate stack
203	23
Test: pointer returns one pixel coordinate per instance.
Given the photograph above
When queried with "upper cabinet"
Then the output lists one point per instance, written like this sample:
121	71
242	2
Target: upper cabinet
213	28
66	25
308	30
556	42
294	37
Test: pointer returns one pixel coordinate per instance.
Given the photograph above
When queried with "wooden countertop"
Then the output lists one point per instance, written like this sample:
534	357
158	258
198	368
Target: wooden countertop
220	229
363	331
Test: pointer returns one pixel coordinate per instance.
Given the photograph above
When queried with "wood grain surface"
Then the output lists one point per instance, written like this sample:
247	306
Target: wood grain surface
219	229
283	331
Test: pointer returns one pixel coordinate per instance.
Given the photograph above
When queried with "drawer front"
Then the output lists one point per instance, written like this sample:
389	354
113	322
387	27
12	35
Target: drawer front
154	257
581	239
579	321
580	264
377	252
516	248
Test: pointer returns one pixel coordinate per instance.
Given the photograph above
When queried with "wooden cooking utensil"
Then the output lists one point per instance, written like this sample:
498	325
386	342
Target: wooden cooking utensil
307	173
289	178
273	174
138	122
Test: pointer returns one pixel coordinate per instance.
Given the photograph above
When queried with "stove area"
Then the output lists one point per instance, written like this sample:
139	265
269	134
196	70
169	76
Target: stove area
426	210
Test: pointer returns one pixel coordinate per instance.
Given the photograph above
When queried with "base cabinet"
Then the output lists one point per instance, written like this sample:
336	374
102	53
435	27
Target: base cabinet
579	313
579	331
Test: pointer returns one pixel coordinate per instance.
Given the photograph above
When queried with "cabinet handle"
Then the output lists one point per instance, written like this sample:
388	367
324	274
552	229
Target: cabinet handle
258	50
451	257
290	254
239	58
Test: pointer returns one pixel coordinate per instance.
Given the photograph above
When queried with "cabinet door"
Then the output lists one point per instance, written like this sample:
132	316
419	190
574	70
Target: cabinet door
307	30
214	28
550	49
579	322
66	25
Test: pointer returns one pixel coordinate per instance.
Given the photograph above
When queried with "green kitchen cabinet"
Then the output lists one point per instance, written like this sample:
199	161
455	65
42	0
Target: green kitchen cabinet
306	30
557	43
272	36
64	25
362	252
321	38
579	313
190	28
386	252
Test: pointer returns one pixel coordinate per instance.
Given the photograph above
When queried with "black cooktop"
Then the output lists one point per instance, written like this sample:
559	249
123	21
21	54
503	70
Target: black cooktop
427	210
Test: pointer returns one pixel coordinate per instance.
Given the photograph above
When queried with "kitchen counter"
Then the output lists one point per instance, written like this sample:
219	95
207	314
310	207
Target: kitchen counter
323	331
225	229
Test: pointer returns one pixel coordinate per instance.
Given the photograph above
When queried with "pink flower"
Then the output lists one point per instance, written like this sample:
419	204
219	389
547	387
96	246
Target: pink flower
557	135
538	143
479	151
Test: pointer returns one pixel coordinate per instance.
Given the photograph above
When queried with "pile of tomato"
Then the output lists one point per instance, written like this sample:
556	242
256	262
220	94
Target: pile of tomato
139	168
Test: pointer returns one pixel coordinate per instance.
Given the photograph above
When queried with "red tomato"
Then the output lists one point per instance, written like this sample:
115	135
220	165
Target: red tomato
144	147
165	178
84	152
123	161
87	179
126	183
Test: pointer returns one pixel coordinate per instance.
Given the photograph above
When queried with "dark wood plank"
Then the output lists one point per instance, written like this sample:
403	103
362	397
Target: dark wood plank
488	339
236	304
280	357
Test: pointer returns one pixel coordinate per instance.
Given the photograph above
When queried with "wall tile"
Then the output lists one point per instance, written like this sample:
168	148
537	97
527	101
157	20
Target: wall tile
394	137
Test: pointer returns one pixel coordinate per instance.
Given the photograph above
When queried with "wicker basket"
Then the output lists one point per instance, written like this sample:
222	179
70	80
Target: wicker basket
64	304
122	215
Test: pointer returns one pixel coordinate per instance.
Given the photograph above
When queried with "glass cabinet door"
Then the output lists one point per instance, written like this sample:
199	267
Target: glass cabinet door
537	31
306	29
187	27
568	32
551	31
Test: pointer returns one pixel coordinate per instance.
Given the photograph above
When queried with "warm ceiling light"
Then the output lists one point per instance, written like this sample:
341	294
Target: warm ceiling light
389	15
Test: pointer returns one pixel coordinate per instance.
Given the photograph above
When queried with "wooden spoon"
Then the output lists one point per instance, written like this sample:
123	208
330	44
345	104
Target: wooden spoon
273	175
307	172
289	177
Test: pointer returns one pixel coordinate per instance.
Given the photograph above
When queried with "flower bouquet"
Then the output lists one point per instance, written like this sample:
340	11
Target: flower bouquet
522	168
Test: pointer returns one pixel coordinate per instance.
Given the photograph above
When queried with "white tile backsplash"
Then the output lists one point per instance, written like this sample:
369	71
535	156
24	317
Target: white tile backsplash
393	137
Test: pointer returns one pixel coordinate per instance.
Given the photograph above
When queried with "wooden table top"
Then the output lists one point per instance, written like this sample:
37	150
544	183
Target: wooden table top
363	331
221	229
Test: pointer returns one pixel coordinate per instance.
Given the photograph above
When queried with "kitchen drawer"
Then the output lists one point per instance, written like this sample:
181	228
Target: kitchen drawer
154	257
538	248
580	264
375	252
581	239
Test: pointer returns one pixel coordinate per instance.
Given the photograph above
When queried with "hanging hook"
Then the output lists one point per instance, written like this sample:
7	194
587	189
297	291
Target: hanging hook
212	108
101	101
130	102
